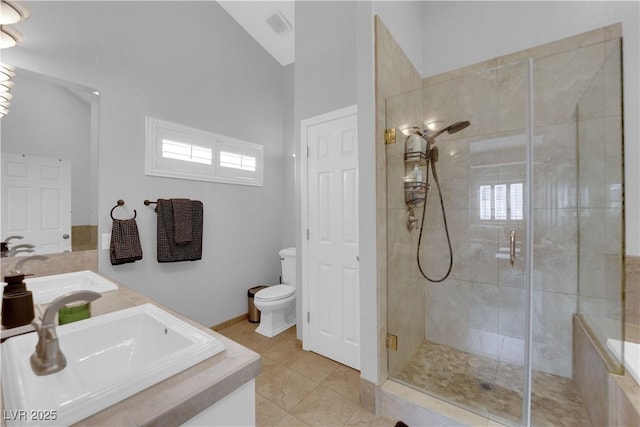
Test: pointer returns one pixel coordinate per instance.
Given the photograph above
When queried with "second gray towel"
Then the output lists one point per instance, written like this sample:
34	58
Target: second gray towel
169	248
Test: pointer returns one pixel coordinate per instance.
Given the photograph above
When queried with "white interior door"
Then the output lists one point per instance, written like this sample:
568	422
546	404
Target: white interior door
330	261
36	201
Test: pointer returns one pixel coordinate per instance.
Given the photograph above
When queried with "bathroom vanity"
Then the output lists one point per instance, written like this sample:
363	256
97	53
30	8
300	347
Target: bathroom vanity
217	391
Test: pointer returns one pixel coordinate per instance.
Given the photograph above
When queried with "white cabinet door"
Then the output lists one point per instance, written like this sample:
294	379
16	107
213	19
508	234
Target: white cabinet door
36	201
330	281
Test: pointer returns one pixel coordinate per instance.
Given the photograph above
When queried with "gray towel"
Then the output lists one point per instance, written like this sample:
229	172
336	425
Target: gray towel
168	249
182	220
125	242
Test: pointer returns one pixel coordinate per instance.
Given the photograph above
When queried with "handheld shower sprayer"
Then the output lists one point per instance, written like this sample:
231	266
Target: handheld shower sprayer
432	158
451	129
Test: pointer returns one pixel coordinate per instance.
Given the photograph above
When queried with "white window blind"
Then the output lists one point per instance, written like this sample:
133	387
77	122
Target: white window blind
237	161
485	202
500	199
186	152
516	201
178	151
501	202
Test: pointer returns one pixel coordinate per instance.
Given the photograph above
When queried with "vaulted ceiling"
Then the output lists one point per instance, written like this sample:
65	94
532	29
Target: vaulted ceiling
270	23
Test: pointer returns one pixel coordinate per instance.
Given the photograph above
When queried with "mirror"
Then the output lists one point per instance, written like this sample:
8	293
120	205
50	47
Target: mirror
49	166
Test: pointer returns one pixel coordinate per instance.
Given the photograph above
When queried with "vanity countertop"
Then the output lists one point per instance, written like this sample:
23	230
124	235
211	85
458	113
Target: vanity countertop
177	399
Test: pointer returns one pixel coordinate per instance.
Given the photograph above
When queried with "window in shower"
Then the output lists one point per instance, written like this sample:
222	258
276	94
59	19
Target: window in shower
501	202
485	202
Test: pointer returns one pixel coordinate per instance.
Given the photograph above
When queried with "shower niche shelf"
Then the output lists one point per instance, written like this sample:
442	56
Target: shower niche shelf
415	193
415	187
418	157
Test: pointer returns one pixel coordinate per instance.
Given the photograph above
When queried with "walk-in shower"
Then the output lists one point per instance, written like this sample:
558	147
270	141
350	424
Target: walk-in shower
482	291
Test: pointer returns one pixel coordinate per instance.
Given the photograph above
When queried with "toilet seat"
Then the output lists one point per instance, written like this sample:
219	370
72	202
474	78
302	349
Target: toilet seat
274	293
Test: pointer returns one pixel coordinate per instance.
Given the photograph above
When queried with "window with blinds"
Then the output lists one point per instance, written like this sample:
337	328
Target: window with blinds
178	151
501	202
186	152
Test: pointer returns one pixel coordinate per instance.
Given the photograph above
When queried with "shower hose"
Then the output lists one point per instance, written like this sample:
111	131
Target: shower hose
433	158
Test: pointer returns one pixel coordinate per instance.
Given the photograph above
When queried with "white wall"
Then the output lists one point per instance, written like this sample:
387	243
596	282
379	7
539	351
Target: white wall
365	65
456	34
190	63
325	78
325	75
289	161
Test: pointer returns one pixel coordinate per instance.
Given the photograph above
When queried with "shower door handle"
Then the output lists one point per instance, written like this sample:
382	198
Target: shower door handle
512	247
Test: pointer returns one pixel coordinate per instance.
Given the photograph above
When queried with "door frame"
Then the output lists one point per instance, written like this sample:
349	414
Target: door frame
304	208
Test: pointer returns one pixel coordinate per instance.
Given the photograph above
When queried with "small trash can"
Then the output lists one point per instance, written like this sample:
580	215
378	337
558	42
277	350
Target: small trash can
254	313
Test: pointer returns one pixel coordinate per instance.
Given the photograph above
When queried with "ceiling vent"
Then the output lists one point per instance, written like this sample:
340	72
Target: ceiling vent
279	23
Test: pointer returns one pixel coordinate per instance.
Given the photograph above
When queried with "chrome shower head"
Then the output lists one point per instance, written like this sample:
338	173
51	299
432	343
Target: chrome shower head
458	126
453	128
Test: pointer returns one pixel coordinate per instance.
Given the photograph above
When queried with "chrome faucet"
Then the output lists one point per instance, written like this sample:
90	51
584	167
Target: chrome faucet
4	246
17	268
23	247
48	358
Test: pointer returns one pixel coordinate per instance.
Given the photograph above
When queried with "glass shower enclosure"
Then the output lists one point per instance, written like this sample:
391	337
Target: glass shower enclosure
519	229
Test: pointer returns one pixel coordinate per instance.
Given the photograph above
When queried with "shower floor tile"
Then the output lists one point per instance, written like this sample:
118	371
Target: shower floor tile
493	389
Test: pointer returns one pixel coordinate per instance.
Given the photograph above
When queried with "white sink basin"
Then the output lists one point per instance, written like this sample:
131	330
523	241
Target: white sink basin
109	358
46	289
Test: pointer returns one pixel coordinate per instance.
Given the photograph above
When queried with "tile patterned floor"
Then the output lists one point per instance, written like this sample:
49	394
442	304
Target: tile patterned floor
493	389
301	388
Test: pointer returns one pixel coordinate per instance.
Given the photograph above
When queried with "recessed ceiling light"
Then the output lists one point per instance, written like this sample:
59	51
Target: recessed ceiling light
7	72
5	96
9	37
12	12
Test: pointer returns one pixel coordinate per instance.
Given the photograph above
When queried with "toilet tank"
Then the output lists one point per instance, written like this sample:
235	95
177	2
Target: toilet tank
288	260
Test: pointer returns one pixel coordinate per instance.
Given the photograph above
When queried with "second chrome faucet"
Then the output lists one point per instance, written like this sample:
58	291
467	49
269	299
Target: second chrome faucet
48	358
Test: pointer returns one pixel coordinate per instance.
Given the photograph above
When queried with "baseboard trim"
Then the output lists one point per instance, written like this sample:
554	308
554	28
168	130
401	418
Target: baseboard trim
230	322
368	395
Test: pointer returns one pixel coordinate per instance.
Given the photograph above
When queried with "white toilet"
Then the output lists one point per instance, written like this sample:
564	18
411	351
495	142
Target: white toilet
277	303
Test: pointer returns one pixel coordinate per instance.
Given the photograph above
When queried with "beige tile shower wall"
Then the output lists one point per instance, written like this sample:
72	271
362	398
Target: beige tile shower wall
404	315
591	375
625	399
600	204
481	307
632	299
84	237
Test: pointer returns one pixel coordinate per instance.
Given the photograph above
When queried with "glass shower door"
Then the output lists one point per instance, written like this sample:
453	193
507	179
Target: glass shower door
462	336
577	221
511	203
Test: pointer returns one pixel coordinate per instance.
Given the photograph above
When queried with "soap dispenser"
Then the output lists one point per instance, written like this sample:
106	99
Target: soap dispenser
15	282
17	302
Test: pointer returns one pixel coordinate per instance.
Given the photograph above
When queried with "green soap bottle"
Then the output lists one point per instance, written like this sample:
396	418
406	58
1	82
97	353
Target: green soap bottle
74	312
